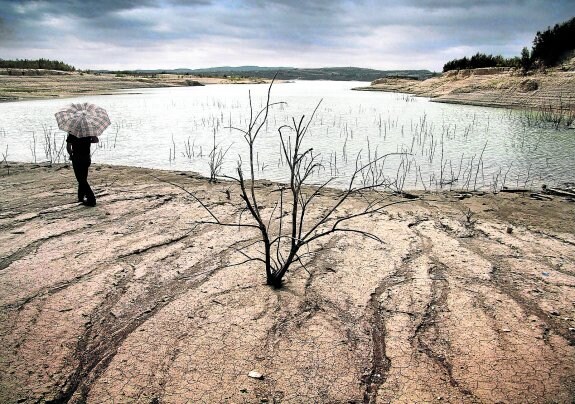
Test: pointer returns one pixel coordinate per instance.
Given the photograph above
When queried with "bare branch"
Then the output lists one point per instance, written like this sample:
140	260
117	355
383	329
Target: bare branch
282	241
216	220
190	194
349	217
253	226
248	257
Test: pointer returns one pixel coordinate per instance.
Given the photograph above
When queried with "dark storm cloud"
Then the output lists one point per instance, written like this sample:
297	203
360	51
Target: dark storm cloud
22	10
83	8
329	31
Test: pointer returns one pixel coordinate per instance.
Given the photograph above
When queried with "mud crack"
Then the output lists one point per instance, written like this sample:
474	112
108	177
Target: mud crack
380	362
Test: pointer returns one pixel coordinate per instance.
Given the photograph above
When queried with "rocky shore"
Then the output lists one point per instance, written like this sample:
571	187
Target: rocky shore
471	298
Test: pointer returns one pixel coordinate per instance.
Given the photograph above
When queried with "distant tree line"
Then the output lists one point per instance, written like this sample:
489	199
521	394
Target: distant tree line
549	48
36	64
480	60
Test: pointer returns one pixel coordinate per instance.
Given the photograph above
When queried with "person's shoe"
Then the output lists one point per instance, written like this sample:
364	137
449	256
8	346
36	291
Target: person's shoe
89	203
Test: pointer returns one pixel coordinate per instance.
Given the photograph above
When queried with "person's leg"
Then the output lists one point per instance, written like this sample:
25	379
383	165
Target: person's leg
90	197
77	165
81	166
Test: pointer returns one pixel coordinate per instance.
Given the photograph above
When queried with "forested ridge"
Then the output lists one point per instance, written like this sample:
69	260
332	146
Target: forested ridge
549	48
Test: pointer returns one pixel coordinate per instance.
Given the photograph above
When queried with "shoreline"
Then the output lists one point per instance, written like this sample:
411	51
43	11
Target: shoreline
133	299
538	191
497	88
491	87
24	88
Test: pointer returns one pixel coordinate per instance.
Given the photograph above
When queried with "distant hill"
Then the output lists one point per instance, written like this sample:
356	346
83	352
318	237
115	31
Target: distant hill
292	73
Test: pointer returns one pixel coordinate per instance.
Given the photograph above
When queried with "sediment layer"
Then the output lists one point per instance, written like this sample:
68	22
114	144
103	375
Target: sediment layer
27	85
507	88
466	301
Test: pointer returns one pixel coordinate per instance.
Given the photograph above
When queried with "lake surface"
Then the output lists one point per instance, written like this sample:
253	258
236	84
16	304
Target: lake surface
443	145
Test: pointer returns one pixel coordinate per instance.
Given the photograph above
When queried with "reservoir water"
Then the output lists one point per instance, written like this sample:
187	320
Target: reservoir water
439	145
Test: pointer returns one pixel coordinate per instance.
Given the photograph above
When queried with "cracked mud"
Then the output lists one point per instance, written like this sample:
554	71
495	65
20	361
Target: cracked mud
130	301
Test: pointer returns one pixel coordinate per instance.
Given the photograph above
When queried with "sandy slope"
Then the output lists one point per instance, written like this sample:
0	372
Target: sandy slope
131	302
491	87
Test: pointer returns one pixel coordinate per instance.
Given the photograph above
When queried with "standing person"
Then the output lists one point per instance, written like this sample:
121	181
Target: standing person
79	150
83	122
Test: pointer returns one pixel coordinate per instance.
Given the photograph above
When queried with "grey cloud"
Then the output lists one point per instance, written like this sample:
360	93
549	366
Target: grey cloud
292	27
284	22
92	20
3	26
458	23
79	8
301	6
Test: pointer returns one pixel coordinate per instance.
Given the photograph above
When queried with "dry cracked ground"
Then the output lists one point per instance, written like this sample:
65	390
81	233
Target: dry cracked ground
467	301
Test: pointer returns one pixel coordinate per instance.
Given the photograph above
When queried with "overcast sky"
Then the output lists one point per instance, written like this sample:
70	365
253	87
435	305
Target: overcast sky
410	34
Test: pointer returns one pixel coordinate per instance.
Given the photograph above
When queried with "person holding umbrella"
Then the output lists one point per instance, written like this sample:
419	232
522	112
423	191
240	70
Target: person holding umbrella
84	123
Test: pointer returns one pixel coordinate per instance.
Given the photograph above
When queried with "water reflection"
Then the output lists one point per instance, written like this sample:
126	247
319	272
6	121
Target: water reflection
173	128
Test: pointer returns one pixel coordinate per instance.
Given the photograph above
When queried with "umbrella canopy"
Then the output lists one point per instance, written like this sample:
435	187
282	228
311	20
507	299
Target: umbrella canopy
83	120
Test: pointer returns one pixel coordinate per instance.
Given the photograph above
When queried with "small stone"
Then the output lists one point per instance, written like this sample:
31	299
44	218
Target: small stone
505	330
509	230
554	313
255	375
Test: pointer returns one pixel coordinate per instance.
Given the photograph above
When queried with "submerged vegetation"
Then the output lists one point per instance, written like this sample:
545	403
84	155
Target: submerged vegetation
564	116
478	150
286	231
432	153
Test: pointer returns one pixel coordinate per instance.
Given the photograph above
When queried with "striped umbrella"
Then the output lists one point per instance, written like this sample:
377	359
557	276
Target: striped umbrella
83	120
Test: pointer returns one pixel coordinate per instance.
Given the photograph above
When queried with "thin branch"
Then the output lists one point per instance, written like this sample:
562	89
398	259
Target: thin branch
349	217
248	257
216	220
253	226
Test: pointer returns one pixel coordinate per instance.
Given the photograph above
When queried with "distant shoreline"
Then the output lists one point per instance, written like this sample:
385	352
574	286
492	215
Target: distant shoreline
32	86
490	87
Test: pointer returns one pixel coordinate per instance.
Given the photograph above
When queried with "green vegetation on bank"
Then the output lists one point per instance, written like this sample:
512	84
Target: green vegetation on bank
480	60
549	48
551	45
36	64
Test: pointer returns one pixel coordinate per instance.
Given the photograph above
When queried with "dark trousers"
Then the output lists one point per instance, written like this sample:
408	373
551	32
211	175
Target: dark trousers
81	164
